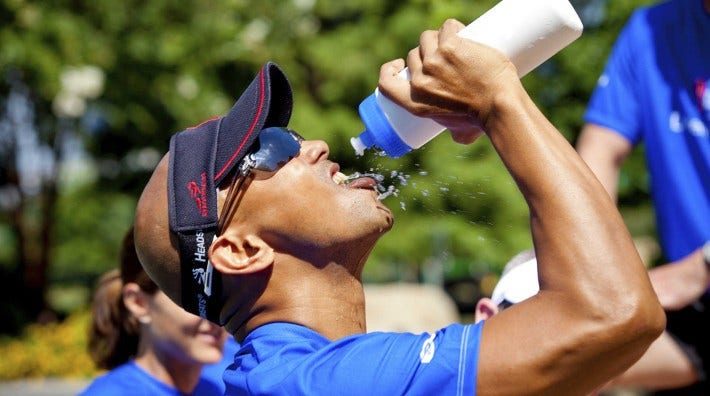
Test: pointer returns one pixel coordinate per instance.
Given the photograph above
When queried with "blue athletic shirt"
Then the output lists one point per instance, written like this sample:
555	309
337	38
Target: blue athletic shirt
214	372
130	379
289	359
655	88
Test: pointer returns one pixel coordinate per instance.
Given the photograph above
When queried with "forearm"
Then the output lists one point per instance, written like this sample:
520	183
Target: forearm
554	180
593	283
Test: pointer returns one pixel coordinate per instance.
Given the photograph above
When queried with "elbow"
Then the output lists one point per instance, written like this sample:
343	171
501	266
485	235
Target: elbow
639	323
652	318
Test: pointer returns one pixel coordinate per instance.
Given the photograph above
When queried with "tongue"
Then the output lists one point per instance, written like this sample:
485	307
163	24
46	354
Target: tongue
363	182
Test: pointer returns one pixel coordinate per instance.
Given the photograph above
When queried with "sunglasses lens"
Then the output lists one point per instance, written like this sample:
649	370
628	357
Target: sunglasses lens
276	147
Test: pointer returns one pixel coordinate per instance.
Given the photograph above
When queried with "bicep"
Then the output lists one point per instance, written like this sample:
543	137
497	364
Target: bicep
604	151
540	346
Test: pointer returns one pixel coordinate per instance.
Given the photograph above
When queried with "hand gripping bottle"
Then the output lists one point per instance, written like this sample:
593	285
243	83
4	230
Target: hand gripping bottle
528	31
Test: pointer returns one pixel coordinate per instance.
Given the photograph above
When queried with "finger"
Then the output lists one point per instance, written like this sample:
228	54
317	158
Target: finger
391	68
464	128
428	43
390	83
414	61
466	136
449	29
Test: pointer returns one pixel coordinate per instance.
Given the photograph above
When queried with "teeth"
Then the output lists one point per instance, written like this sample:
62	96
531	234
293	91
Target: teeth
339	178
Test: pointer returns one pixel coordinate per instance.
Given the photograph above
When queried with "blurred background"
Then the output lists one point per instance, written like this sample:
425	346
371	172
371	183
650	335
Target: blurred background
91	91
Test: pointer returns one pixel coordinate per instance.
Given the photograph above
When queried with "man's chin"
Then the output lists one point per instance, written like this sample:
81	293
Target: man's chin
389	219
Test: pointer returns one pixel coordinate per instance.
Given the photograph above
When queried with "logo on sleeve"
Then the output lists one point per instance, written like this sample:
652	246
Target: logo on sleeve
428	349
702	94
684	120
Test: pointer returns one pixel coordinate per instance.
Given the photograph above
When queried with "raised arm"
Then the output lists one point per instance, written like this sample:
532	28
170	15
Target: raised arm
596	312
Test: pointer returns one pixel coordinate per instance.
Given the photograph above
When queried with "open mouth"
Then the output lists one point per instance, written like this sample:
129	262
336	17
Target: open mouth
340	178
370	181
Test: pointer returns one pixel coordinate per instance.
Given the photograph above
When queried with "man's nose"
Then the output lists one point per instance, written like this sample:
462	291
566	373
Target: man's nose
314	150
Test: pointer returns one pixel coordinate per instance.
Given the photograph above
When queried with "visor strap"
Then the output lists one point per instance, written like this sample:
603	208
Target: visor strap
201	283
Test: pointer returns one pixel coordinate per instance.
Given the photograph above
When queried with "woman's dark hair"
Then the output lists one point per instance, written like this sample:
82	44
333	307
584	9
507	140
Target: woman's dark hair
114	332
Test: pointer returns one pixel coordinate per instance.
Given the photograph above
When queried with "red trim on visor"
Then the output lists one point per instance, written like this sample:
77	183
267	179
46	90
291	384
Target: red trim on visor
251	128
203	122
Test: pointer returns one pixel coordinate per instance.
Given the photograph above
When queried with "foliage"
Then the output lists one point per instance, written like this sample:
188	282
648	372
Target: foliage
91	231
52	350
169	64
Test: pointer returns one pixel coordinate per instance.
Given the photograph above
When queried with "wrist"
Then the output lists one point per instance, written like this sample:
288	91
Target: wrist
509	112
706	255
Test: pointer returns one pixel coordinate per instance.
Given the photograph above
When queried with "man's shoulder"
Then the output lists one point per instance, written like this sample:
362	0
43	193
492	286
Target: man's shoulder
290	343
289	359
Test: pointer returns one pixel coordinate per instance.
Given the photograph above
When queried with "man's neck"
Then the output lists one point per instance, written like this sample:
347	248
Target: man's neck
332	323
327	299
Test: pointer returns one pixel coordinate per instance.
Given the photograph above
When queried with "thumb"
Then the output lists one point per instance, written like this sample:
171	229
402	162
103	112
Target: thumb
466	135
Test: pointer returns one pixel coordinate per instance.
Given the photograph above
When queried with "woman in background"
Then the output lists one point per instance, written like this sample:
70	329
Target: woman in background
150	345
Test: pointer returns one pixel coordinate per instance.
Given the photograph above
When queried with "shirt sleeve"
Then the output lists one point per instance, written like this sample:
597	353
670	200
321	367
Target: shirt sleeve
444	362
614	103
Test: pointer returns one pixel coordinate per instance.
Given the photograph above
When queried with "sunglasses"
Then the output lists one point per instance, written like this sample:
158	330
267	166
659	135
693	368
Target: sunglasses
275	147
505	304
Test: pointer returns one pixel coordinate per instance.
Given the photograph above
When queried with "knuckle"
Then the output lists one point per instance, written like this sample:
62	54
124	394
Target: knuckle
423	36
419	111
448	48
418	84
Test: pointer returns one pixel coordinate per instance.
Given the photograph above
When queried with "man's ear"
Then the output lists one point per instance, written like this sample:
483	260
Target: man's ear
136	302
240	254
485	309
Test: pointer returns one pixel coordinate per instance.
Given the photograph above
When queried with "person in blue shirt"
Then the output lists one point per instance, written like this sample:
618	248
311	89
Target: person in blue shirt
149	344
655	90
249	225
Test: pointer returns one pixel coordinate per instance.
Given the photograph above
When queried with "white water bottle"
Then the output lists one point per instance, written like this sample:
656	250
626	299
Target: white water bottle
528	31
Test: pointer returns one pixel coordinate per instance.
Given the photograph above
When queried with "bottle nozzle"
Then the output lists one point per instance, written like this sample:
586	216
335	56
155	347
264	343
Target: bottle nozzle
358	145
